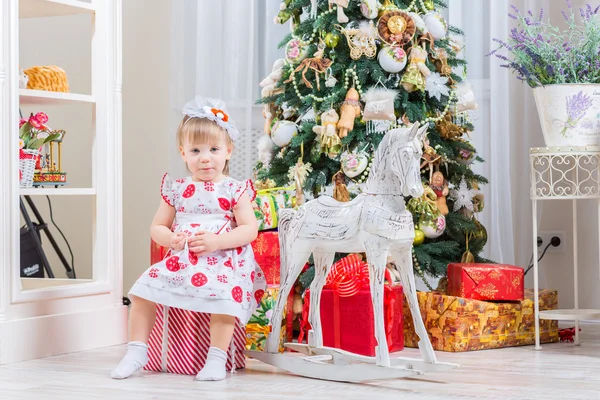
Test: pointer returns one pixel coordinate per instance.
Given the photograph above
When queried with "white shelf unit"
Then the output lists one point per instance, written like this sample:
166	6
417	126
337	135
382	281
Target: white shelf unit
565	173
41	97
53	8
57	191
67	315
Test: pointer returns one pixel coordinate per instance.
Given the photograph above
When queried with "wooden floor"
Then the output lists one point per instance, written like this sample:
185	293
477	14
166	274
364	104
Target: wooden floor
559	371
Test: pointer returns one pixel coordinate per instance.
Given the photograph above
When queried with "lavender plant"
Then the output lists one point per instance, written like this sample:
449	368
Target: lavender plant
542	54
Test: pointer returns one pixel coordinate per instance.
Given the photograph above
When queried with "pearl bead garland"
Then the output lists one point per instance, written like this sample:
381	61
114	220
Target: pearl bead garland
315	31
420	271
412	7
349	71
437	119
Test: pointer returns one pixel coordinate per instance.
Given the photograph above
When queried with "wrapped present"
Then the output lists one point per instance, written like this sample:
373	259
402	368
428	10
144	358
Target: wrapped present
347	311
180	339
493	282
266	253
157	252
458	324
267	204
259	325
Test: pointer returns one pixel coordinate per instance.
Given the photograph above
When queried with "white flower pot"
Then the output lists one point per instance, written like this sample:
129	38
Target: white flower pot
569	114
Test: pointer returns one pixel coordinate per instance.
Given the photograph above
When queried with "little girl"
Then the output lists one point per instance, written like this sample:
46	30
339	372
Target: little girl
207	221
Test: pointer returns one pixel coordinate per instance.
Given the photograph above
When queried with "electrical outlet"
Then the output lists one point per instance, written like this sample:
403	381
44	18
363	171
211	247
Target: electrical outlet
547	237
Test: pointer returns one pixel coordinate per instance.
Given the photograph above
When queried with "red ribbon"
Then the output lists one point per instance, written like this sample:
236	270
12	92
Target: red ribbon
348	277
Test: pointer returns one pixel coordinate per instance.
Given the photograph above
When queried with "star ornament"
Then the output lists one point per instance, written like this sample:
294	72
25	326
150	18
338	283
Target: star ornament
463	196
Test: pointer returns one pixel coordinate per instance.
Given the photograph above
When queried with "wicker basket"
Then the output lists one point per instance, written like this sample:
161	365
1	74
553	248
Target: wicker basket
27	159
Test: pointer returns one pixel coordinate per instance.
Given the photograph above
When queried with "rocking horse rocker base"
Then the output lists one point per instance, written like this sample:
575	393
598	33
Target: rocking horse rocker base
376	222
332	364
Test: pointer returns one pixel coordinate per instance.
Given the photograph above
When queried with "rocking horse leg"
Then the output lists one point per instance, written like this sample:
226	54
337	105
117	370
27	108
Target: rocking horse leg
402	256
377	258
293	264
323	263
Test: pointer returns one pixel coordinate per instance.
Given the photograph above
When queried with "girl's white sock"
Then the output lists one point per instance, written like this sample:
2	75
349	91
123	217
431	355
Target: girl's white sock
214	369
135	359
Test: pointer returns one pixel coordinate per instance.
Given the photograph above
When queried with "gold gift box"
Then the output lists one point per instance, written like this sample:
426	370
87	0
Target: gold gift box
258	328
458	324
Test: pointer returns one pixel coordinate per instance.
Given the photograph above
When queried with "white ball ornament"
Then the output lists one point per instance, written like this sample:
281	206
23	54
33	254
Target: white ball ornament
392	59
353	164
419	23
283	132
436	24
369	8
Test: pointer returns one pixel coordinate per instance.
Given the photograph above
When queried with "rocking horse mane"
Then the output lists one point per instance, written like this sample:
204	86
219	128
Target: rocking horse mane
382	179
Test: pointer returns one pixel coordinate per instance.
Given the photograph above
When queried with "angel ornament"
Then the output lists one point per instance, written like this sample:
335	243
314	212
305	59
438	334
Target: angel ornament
430	158
350	110
416	72
440	188
328	135
269	88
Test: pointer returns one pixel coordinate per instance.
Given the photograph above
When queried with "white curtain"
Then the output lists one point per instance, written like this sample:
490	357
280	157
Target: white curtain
506	124
223	49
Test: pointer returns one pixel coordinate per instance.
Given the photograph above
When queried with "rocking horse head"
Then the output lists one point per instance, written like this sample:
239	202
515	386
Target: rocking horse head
396	165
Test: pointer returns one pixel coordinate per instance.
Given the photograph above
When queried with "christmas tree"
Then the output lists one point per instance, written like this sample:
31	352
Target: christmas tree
353	70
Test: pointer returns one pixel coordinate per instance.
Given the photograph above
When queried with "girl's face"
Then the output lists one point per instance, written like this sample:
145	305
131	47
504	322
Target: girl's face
206	161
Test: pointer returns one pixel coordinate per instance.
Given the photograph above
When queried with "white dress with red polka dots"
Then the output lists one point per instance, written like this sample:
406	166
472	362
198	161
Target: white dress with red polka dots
223	282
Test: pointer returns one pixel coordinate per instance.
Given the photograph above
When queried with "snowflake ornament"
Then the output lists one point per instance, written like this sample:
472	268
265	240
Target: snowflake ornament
436	86
463	196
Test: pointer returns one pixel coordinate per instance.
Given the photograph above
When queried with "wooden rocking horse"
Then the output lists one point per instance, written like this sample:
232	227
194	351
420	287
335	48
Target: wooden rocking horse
376	222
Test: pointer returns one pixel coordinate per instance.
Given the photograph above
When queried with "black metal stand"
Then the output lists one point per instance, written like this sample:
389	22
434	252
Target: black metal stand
34	230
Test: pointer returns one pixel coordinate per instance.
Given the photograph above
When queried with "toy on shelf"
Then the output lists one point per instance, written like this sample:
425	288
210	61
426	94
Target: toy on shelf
33	136
50	78
48	169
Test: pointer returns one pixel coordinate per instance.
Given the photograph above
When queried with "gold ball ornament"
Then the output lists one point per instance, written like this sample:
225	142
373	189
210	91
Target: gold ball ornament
332	40
419	237
479	235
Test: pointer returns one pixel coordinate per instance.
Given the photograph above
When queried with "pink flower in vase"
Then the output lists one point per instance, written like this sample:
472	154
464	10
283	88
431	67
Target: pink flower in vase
22	122
33	121
42	117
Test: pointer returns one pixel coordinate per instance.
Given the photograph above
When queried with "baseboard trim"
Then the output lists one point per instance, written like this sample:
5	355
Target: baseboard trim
39	337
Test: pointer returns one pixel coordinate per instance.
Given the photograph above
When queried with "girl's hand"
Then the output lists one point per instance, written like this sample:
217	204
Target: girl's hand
204	243
177	242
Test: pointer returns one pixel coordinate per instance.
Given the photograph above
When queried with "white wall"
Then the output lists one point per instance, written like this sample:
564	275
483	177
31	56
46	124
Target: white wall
146	131
556	268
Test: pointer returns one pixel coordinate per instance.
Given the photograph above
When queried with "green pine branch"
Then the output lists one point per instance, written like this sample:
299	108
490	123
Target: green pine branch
434	254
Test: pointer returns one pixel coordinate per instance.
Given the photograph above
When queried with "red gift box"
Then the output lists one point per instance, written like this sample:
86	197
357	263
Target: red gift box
157	252
266	253
489	282
347	311
180	339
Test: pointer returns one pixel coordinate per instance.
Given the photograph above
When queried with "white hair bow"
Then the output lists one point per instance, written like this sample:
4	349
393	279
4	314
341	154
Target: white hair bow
214	110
